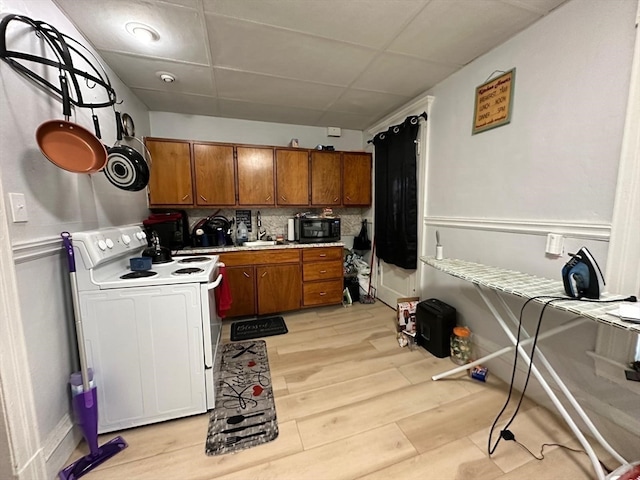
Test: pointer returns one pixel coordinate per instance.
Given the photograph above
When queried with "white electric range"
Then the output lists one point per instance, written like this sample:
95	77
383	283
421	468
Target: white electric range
151	337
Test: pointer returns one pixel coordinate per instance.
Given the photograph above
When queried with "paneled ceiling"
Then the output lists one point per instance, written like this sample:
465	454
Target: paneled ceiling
342	63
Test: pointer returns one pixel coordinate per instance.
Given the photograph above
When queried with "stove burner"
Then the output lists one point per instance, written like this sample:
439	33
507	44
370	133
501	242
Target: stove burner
195	260
138	274
187	271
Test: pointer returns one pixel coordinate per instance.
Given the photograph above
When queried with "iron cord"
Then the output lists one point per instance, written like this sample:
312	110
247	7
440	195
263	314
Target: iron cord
505	434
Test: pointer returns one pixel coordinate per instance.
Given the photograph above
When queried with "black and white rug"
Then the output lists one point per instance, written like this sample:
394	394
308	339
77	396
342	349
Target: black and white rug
260	327
245	413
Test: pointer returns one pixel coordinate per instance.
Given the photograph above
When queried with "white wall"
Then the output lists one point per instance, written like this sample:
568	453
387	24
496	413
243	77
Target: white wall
215	129
553	168
56	200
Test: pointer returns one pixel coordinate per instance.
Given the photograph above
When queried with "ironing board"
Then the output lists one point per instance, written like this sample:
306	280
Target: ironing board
496	280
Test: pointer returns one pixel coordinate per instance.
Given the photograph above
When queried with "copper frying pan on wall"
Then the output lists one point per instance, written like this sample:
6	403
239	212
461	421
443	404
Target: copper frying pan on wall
68	145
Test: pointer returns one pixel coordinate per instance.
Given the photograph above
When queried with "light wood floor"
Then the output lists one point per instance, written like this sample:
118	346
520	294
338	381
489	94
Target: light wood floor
352	404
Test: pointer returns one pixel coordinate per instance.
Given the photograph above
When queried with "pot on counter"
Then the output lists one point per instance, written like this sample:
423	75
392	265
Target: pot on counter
158	253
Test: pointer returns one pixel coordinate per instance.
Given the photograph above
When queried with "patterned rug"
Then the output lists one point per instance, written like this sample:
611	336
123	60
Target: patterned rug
245	413
260	327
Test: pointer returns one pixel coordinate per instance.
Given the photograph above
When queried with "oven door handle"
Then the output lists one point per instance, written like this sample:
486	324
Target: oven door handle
212	285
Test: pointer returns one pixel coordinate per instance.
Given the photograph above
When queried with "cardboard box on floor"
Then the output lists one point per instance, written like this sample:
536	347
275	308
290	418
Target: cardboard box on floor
407	321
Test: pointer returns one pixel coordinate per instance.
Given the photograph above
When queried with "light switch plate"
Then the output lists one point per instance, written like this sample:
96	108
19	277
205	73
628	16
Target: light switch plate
18	207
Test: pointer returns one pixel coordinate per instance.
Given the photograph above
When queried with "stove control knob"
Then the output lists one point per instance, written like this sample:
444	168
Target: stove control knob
140	235
109	243
102	245
126	239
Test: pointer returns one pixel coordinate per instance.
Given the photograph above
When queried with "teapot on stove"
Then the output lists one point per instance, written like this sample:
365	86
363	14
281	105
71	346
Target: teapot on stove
158	253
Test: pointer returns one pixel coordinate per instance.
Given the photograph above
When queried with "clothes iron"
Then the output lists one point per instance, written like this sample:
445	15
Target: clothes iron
582	276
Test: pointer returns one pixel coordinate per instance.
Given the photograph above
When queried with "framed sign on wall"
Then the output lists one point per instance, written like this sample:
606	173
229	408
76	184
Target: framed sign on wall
494	102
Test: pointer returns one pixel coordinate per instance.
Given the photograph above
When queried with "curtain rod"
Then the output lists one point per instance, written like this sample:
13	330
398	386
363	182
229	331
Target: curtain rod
423	115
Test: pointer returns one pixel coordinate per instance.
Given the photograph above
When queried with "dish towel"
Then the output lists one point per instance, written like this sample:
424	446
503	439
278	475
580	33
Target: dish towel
223	294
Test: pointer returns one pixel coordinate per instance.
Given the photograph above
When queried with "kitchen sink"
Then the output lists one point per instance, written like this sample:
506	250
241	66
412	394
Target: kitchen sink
259	243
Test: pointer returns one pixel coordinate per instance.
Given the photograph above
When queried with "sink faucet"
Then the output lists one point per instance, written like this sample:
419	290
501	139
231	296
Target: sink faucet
261	231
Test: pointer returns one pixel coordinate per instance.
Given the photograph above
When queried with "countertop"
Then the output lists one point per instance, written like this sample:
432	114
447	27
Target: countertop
233	248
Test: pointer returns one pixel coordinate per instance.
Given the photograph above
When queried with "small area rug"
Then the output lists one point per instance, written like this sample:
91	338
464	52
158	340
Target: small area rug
261	327
245	412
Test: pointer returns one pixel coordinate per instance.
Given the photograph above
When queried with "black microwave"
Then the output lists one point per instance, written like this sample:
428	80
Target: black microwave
317	230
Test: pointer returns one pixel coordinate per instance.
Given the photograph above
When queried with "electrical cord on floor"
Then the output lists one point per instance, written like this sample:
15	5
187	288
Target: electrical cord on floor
504	433
509	436
491	449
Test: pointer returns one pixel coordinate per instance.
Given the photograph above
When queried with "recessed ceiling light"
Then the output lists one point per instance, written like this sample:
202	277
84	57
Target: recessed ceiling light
142	32
166	77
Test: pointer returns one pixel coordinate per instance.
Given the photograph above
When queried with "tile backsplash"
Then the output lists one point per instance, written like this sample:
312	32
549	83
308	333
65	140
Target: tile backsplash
274	220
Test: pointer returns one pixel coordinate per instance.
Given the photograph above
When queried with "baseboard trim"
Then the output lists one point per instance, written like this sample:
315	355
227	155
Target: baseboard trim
594	231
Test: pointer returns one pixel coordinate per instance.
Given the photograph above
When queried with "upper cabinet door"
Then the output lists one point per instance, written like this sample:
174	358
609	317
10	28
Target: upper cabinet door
325	178
292	177
214	174
170	180
255	176
356	174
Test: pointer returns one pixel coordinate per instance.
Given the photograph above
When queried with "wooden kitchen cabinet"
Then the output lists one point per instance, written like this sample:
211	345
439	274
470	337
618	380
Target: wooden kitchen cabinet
243	290
170	180
255	176
292	177
214	173
278	288
263	281
325	178
356	179
322	276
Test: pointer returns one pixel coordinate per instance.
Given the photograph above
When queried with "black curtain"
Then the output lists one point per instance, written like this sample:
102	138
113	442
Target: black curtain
396	200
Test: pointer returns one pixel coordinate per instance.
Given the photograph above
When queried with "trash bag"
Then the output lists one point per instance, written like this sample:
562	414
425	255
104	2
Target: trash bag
362	242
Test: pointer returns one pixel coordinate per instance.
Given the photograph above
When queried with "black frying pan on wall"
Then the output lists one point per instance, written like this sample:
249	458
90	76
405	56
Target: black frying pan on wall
125	168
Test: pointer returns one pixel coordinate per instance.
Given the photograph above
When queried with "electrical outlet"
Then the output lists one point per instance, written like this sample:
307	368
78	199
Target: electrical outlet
555	244
18	207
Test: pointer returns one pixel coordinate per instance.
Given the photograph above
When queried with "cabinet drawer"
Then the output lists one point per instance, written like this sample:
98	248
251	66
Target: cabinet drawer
321	271
322	293
261	257
316	254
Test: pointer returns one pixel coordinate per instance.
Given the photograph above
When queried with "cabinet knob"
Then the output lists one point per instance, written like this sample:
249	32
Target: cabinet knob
263	274
323	271
322	294
348	197
268	198
335	199
283	198
323	255
185	197
245	274
203	198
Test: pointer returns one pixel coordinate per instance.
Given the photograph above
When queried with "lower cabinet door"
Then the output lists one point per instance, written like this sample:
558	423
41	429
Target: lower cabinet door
279	288
328	292
243	291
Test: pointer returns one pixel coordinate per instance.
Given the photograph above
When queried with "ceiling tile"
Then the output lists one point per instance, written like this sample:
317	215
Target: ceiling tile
367	103
265	89
252	47
399	74
358	21
177	102
352	121
181	32
456	32
268	113
140	72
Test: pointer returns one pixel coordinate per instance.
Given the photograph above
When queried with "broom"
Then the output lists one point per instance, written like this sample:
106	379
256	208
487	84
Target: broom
370	296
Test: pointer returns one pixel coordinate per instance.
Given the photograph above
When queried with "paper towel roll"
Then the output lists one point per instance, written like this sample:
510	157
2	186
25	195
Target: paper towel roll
291	234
